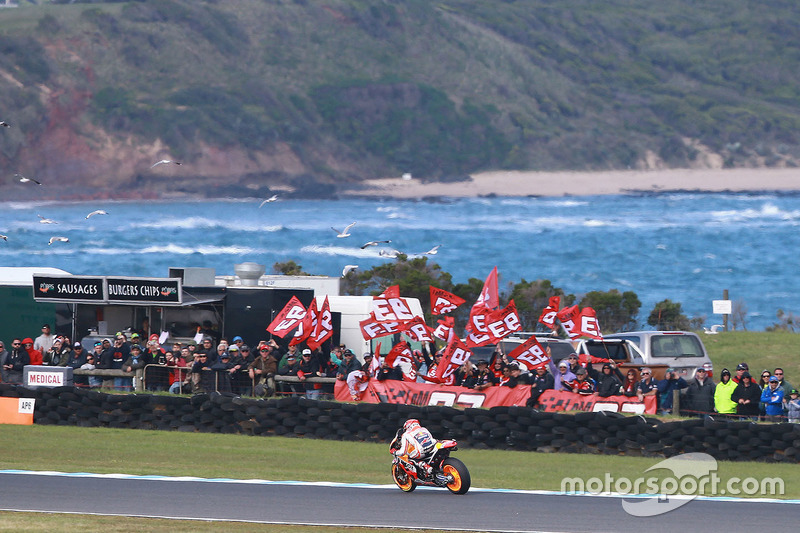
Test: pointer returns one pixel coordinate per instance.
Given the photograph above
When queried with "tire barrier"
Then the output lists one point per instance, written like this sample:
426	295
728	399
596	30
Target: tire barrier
504	427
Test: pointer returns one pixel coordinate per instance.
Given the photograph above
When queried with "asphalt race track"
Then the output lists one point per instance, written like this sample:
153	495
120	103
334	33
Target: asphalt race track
368	505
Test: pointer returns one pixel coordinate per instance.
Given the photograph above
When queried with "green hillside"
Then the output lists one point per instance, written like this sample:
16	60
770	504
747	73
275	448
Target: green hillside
256	93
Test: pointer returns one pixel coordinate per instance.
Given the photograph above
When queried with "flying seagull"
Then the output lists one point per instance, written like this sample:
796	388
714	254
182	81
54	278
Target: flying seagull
23	179
5	124
57	239
268	200
373	243
390	253
97	212
714	329
4	237
348	268
343	233
164	162
44	220
432	251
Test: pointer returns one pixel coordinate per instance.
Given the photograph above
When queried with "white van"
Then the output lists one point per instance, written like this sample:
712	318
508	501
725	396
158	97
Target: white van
681	350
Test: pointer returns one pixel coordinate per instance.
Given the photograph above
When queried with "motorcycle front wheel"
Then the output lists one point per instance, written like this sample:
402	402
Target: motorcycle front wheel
455	469
402	479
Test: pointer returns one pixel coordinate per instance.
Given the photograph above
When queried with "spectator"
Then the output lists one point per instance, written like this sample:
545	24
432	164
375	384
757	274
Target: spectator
574	363
699	395
77	360
44	341
222	371
207	348
57	355
630	383
202	374
515	376
134	363
178	377
336	355
582	384
723	401
3	359
241	360
368	367
239	342
741	368
464	375
34	355
15	362
561	375
666	387
136	339
497	368
357	382
483	378
793	407
95	382
262	372
541	381
119	354
609	381
291	350
386	372
290	369
156	374
747	396
647	386
349	364
763	383
772	397
784	385
310	367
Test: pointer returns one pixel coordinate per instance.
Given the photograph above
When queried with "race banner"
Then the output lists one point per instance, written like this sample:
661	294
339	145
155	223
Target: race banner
324	328
390	292
494	326
567	317
288	319
531	354
487	300
443	302
307	326
400	356
445	328
549	314
394	309
412	393
587	324
552	400
455	355
417	330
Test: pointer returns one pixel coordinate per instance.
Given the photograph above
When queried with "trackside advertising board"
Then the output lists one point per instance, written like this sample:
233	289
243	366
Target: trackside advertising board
107	290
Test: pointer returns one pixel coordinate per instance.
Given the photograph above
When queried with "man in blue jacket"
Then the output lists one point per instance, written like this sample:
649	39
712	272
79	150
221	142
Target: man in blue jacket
772	398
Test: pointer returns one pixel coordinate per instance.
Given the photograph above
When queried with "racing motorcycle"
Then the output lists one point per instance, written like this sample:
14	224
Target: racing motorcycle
445	471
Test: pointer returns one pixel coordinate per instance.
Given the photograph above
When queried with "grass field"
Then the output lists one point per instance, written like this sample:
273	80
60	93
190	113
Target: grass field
760	350
178	454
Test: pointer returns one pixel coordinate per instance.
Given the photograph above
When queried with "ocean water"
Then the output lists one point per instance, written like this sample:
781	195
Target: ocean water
687	247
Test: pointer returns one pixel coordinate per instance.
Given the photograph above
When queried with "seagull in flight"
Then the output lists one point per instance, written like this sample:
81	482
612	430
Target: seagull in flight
373	243
348	268
432	251
272	198
714	329
97	212
44	220
23	179
344	232
164	162
5	124
57	239
4	237
389	253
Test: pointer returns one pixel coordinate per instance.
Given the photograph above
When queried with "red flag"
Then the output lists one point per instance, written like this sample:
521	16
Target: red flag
401	348
568	318
307	325
393	309
588	325
548	317
445	329
487	300
289	317
443	302
455	355
324	328
390	292
496	325
371	328
417	330
531	354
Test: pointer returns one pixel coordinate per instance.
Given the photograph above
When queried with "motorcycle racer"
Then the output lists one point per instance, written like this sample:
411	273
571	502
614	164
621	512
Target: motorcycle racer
414	444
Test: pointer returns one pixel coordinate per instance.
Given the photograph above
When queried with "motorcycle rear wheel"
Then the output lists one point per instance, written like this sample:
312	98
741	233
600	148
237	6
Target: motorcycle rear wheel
403	480
458	471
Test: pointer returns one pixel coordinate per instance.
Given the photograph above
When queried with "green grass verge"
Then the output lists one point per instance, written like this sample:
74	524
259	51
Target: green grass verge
760	350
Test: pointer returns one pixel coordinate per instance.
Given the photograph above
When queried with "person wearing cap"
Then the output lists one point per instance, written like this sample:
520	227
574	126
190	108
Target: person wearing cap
747	396
482	377
723	392
741	368
202	375
238	341
793	407
15	361
178	362
291	368
349	364
366	366
58	354
389	373
310	367
290	350
76	360
541	381
582	384
222	369
92	358
135	363
561	374
262	372
44	341
772	398
666	388
241	359
609	380
699	395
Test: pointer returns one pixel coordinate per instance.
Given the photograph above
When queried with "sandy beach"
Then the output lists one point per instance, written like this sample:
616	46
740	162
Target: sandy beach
515	183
